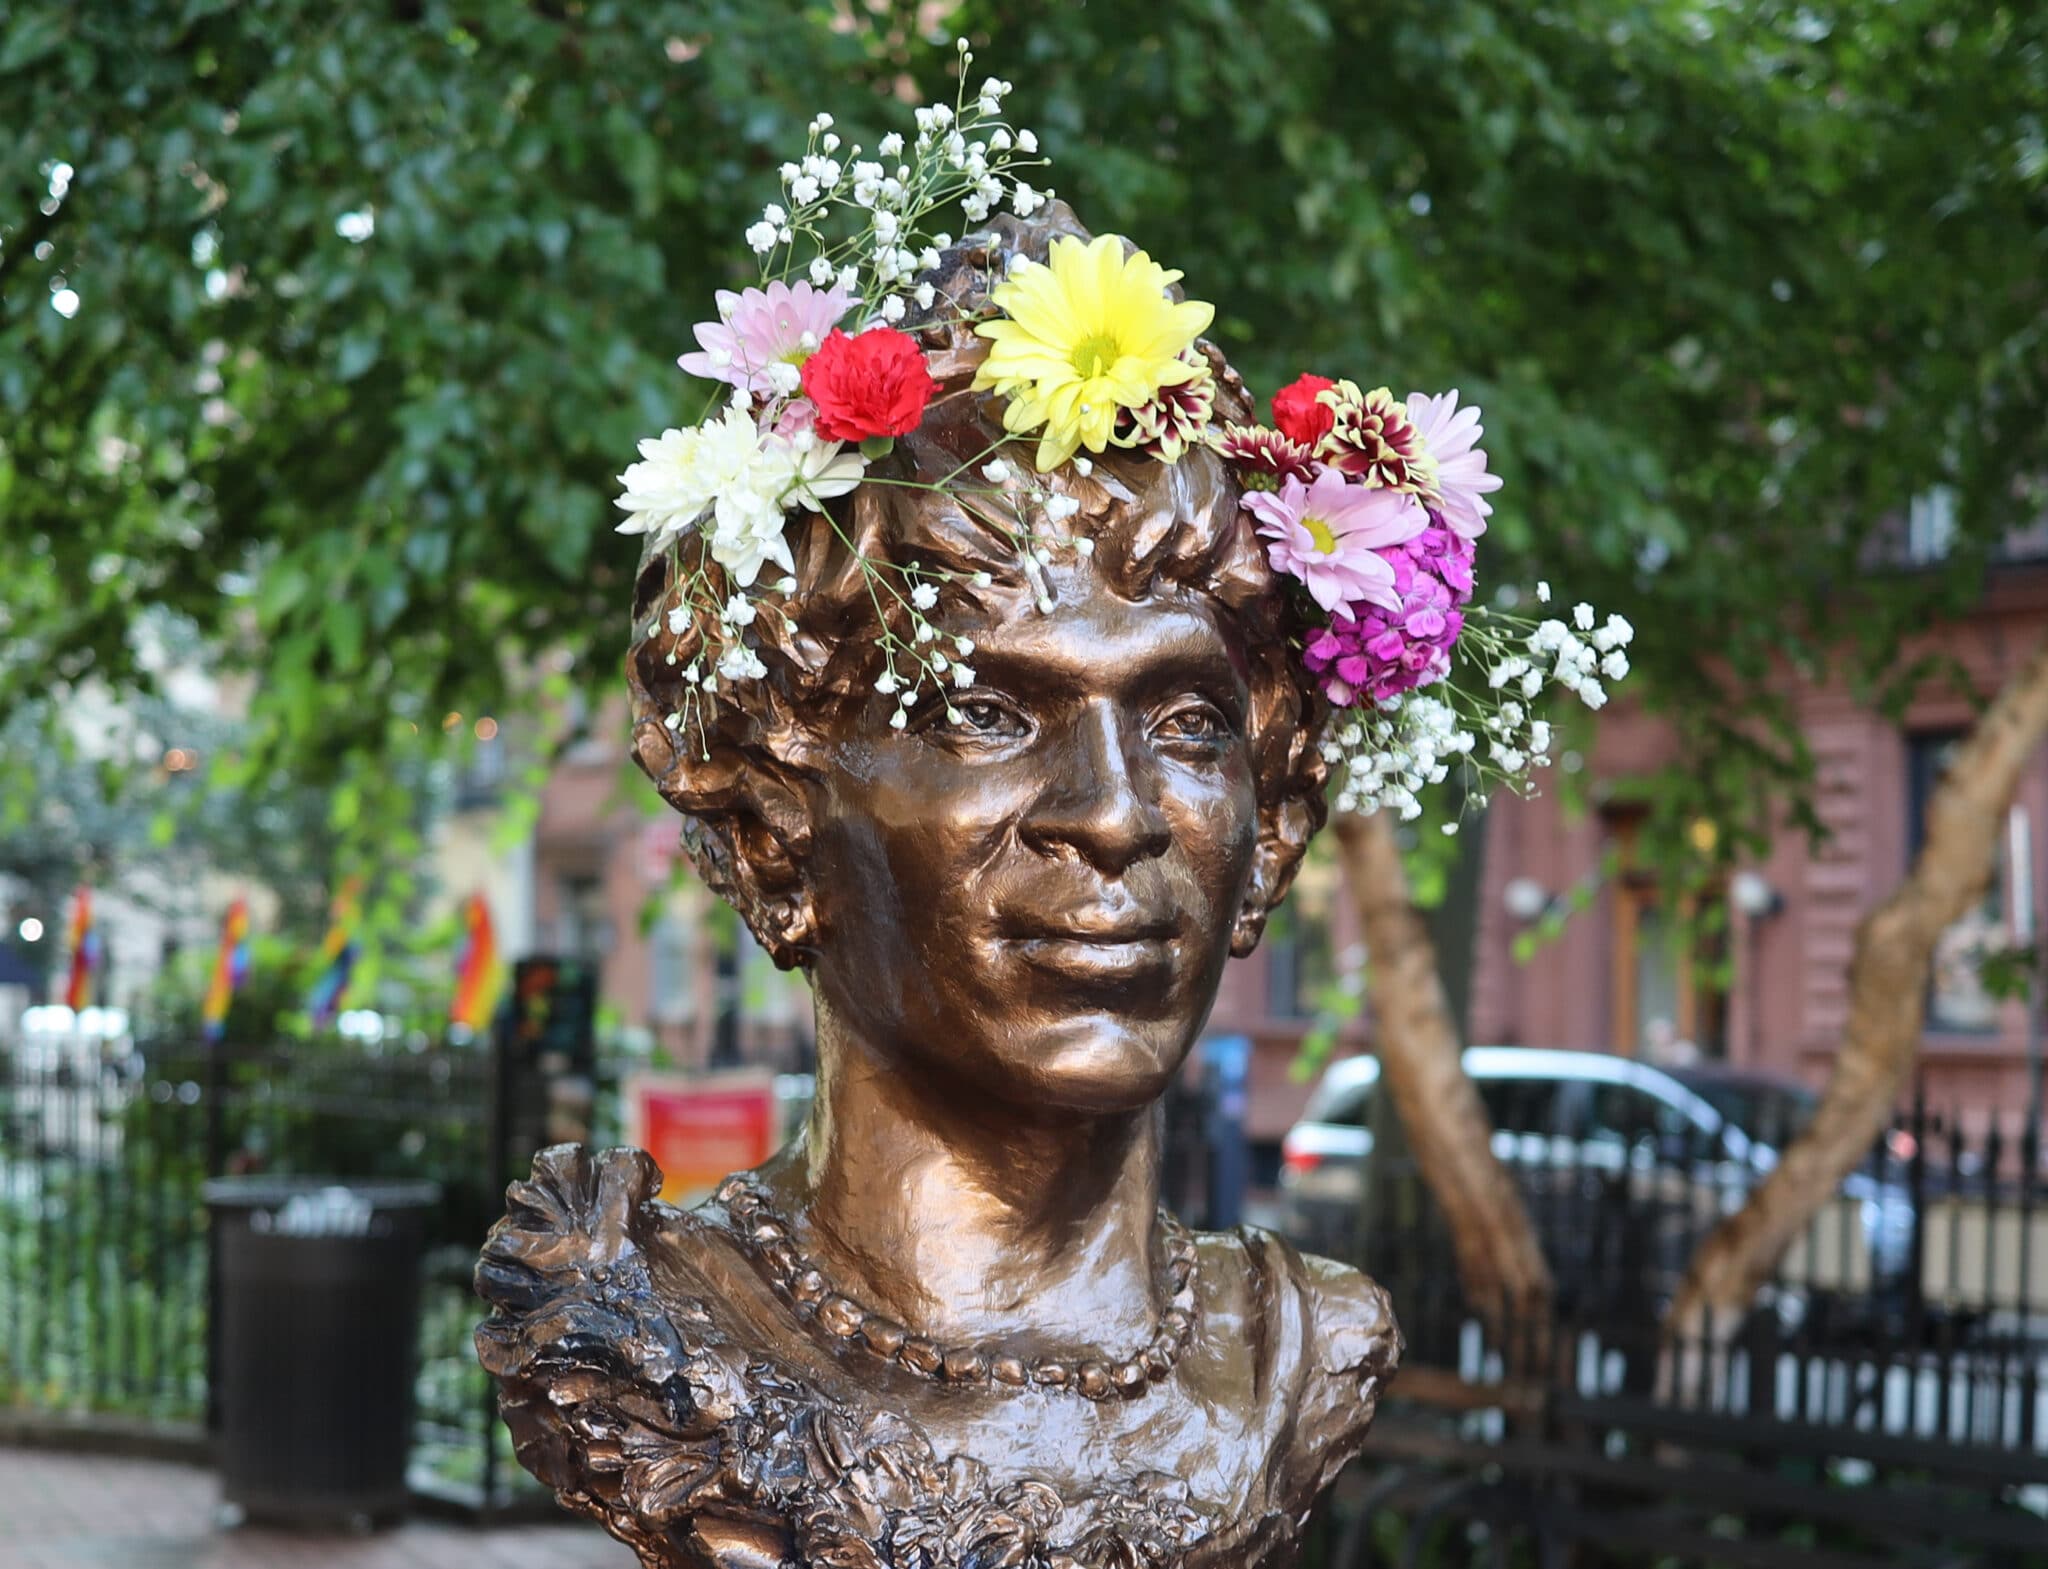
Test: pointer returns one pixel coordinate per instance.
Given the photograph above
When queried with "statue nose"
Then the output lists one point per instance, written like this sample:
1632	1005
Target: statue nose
1102	801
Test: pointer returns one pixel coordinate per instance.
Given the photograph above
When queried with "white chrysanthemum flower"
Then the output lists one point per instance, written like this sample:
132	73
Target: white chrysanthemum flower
666	490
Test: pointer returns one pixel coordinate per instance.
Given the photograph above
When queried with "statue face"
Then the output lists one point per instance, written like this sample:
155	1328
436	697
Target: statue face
1036	901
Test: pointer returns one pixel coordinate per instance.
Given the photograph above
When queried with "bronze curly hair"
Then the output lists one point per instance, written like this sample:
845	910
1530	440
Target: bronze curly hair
737	771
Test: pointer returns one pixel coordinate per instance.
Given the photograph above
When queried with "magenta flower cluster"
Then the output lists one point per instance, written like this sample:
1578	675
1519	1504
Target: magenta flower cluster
1385	652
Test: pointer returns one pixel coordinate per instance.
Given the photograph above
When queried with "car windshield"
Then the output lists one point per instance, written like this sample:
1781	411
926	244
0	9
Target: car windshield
1771	1114
1344	1105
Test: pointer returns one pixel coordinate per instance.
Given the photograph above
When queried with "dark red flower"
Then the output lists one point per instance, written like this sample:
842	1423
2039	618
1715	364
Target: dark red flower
875	384
1300	417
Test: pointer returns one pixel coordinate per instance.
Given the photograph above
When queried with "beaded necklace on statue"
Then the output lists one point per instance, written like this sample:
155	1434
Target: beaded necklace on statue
769	1240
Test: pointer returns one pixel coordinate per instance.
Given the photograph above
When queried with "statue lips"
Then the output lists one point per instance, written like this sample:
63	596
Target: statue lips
1099	944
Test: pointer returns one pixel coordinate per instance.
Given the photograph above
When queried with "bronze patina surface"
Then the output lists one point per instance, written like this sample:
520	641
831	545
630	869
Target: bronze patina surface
950	1325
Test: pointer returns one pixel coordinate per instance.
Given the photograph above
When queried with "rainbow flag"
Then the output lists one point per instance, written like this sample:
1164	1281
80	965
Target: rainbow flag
229	971
477	971
338	954
87	951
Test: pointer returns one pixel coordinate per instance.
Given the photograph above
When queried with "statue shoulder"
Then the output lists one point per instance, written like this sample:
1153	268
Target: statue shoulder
1349	1348
616	1386
1354	1329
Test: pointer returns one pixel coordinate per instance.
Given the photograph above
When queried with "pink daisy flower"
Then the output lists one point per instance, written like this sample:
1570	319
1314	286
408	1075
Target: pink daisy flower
760	330
1451	435
1327	534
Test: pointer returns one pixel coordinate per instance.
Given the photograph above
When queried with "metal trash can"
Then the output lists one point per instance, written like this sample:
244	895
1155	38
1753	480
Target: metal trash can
317	1297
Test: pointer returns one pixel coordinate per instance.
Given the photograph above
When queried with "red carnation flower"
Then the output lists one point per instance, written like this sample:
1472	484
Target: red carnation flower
1300	417
874	384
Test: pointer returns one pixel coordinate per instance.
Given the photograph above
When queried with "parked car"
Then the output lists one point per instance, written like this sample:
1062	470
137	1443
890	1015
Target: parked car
1623	1165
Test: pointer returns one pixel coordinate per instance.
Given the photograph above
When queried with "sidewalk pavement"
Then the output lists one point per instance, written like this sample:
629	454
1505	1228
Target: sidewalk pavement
65	1511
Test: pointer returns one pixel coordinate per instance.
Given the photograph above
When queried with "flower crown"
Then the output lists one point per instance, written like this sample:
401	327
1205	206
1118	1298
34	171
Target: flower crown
1372	505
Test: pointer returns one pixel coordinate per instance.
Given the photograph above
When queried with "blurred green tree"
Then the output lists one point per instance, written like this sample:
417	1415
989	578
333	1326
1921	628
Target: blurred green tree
325	327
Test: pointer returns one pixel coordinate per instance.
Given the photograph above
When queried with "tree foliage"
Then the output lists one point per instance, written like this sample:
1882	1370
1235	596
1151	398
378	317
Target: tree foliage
368	304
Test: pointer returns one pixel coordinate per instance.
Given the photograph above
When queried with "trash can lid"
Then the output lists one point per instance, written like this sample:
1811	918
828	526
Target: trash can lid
271	1192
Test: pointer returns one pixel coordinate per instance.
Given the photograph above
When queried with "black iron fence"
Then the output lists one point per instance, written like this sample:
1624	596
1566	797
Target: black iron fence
1883	1399
104	1277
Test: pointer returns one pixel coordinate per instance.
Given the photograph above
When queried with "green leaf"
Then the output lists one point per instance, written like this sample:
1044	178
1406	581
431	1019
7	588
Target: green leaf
34	34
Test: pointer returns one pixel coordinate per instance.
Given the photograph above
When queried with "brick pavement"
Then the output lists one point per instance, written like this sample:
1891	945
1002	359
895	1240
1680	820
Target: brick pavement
65	1511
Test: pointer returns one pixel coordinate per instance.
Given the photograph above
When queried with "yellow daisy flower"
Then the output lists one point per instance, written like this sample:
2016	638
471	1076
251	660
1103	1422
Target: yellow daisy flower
1091	332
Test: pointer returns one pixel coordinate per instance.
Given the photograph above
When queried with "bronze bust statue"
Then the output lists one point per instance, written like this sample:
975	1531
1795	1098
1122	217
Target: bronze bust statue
950	1325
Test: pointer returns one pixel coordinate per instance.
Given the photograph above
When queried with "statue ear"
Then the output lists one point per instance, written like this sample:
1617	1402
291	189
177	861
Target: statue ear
1285	829
1258	903
768	845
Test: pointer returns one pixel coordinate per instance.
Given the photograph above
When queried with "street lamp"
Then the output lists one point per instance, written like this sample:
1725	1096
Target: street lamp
1752	894
1525	898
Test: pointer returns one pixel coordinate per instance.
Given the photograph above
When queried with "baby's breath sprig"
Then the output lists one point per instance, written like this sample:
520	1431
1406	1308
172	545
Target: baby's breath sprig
1385	756
965	154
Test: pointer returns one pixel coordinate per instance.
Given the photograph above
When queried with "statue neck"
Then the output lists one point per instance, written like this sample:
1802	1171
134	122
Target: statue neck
968	1220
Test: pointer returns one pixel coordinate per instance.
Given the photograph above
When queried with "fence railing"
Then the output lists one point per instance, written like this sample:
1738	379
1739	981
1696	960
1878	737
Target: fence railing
1903	1338
104	1278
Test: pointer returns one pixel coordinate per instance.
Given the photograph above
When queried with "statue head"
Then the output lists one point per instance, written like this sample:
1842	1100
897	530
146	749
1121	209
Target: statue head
1026	881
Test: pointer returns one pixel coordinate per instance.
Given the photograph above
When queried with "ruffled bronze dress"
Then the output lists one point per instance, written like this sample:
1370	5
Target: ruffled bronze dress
660	1378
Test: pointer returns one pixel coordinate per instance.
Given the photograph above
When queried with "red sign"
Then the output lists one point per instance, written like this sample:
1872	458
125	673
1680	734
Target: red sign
701	1129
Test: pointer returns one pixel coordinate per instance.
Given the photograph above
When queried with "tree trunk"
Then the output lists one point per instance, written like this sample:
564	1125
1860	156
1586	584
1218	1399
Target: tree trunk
1500	1264
1888	973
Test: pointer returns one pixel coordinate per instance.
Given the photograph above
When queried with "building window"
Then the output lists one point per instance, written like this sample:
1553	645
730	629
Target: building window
1667	1005
671	998
1302	966
1957	998
1930	525
583	930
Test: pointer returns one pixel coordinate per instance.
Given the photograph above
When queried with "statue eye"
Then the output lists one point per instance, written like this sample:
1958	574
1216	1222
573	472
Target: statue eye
981	716
1198	721
977	717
